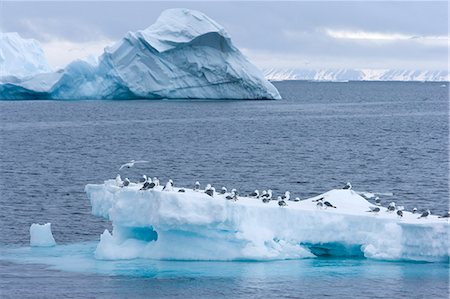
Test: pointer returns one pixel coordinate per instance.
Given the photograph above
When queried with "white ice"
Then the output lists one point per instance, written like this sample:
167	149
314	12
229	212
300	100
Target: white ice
41	235
184	55
195	226
21	57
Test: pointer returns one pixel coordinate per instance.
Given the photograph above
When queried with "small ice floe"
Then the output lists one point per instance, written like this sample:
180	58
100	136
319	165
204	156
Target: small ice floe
41	235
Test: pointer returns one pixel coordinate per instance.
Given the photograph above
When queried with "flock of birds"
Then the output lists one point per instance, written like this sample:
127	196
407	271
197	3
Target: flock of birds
265	195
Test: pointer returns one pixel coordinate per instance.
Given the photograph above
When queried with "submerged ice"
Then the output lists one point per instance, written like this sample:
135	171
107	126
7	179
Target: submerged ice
192	225
184	55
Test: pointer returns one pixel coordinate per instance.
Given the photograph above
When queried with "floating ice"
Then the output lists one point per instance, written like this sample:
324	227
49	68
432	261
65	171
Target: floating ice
41	235
184	55
194	226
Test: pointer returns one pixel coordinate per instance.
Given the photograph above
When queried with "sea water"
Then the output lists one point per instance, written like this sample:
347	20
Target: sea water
385	137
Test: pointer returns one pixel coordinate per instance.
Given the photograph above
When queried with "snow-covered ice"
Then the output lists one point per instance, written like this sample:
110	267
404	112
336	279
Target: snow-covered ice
41	235
21	57
194	226
184	55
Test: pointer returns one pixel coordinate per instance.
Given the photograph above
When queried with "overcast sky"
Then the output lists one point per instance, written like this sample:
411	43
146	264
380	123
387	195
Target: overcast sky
310	35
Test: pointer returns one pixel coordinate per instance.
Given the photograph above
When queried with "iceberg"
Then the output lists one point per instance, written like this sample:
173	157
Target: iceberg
21	57
192	225
184	55
41	235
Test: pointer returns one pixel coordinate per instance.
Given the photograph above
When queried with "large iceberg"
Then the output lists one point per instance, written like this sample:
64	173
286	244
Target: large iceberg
185	54
192	225
21	57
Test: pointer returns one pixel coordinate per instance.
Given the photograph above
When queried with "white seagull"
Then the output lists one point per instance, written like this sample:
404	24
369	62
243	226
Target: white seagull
131	164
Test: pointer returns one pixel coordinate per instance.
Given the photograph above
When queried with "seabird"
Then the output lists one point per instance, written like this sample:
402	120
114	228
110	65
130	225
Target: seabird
254	194
374	209
131	164
347	186
119	181
181	190
146	186
400	213
445	215
156	181
196	186
223	190
126	182
210	191
268	195
319	204
286	196
391	207
263	193
232	195
297	199
168	186
425	214
281	201
143	179
319	199
377	201
414	210
329	205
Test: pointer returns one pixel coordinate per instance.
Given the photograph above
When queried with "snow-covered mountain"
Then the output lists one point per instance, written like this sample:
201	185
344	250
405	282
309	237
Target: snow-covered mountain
185	54
21	57
355	75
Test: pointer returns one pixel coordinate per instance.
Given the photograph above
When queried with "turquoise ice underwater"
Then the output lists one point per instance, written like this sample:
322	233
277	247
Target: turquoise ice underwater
383	137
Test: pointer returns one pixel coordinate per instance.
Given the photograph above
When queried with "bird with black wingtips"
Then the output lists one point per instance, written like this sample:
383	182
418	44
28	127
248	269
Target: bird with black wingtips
374	209
377	201
445	215
232	195
181	190
196	186
223	190
391	207
263	194
400	213
126	182
131	164
286	196
425	214
319	199
254	194
168	186
281	201
319	204
267	196
210	191
119	181
297	199
328	204
347	186
414	210
146	186
143	179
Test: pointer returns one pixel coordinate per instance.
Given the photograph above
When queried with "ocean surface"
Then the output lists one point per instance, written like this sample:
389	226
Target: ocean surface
385	137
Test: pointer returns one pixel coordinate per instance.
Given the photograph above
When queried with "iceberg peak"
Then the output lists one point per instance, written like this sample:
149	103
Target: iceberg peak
179	26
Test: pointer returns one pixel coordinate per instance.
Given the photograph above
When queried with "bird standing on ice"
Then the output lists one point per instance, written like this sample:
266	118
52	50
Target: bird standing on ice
347	186
119	181
425	214
286	196
196	186
254	194
131	164
374	209
168	186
